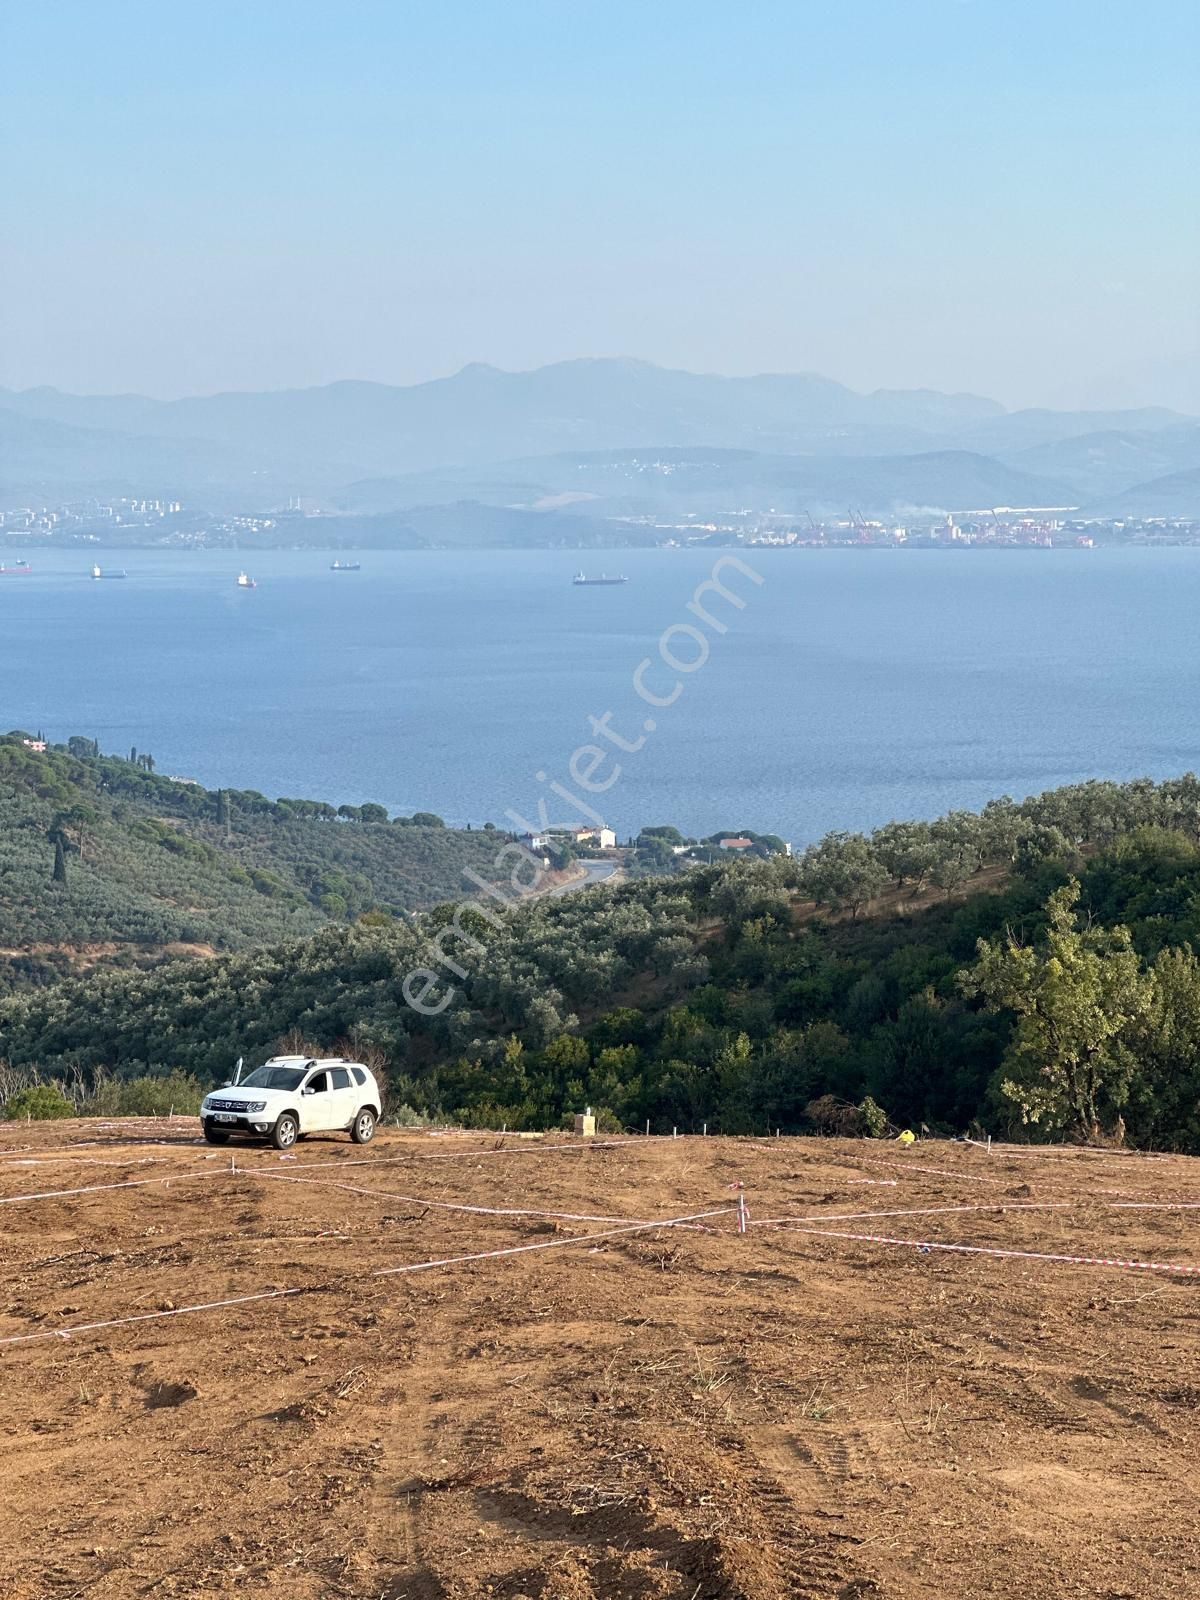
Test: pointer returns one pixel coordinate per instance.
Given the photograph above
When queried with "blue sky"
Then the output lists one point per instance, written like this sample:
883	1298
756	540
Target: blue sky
997	195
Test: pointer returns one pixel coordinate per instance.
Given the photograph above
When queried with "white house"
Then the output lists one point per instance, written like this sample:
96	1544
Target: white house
605	838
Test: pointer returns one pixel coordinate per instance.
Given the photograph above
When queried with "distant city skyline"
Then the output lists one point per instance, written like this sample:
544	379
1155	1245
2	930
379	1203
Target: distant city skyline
992	196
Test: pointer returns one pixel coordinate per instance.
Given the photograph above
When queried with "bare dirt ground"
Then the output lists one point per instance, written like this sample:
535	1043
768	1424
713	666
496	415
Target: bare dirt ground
680	1413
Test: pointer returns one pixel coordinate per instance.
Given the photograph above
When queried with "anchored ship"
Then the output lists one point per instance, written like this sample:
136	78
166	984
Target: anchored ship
582	581
98	572
245	581
346	566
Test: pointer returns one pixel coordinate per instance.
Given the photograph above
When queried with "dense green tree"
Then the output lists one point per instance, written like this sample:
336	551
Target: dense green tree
1164	1100
843	871
1079	1000
40	1102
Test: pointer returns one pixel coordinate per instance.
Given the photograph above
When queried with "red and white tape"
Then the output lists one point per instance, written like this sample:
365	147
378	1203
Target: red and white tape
255	1168
439	1205
915	1166
382	1272
996	1250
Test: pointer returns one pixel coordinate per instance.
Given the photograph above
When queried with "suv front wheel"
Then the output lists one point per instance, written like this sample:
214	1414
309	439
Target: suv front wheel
285	1131
362	1129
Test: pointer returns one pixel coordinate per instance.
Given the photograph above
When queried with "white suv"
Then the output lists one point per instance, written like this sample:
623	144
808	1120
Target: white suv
292	1096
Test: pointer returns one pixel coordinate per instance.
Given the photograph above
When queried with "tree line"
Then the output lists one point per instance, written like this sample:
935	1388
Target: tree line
1031	969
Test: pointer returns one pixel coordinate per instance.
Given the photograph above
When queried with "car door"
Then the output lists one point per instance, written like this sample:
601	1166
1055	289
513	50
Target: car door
343	1096
317	1109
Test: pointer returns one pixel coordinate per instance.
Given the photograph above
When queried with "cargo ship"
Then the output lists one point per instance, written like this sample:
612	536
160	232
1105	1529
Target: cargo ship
18	567
98	572
245	581
582	581
346	566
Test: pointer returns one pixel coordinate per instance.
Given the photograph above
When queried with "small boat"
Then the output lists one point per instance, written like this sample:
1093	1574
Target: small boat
98	572
346	566
20	566
245	581
582	581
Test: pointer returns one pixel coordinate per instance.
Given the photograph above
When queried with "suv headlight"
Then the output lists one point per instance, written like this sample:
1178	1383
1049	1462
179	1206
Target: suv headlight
255	1105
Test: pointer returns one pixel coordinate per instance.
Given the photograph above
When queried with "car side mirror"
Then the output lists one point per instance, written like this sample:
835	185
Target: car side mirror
310	1090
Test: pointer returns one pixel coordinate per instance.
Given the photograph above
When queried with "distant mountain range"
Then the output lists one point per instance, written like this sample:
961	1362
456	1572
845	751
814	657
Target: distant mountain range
665	482
630	437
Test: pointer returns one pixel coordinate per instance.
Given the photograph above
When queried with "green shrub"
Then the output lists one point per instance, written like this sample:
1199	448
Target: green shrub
41	1102
145	1097
874	1118
406	1116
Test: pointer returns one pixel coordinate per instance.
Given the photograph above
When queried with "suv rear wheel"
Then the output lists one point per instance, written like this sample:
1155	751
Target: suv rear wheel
362	1129
285	1131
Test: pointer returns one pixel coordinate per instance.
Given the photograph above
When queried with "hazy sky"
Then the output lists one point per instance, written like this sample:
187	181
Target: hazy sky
998	195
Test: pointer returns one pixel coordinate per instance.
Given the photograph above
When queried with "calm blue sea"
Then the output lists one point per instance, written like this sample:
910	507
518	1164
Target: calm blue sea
853	688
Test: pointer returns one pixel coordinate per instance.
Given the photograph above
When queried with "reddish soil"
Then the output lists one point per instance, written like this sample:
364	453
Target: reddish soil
682	1414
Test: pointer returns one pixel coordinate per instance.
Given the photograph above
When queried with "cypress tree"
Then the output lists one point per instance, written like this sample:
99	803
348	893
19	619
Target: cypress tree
60	862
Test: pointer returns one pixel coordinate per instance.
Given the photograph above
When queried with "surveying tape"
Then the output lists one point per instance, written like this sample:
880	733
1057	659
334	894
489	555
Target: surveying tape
154	1316
546	1244
97	1188
382	1272
258	1169
997	1206
913	1166
441	1205
995	1250
923	1211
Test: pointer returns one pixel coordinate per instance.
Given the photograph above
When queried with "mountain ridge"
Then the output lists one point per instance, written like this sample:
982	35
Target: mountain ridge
269	446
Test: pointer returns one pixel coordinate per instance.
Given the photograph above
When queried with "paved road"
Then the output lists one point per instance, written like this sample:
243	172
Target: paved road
596	872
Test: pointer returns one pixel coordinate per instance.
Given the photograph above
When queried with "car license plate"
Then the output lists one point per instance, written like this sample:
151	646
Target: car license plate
225	1116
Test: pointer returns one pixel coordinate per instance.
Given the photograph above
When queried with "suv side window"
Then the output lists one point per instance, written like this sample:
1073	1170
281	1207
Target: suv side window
318	1084
341	1078
360	1076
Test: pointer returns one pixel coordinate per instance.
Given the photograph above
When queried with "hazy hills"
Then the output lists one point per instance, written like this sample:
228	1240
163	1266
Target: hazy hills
1159	498
669	482
510	438
482	414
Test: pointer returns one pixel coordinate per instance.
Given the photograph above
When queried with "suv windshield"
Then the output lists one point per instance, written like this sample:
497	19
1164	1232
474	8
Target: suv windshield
273	1078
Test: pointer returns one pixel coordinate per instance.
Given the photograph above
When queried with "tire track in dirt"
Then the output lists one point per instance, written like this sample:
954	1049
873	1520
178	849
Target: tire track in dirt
395	1536
793	1480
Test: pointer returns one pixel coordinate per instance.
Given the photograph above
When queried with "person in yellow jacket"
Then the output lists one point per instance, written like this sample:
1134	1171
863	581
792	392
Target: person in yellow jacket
907	1137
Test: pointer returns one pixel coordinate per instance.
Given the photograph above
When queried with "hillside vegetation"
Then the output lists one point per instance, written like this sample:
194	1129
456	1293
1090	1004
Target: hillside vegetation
101	852
1033	968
